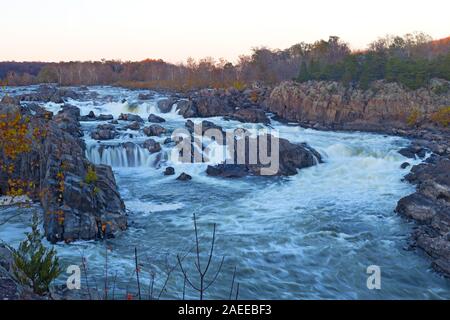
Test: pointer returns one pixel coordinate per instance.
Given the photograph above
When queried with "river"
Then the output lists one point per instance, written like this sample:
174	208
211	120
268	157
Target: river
309	236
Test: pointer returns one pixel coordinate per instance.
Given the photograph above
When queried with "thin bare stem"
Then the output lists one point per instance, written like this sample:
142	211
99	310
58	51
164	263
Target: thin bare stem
137	272
232	283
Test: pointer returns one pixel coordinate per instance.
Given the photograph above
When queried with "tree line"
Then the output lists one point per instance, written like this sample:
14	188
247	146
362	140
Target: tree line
411	60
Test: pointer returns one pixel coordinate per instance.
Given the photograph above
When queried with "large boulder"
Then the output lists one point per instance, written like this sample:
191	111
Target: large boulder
130	117
187	108
104	132
165	105
152	146
155	119
291	157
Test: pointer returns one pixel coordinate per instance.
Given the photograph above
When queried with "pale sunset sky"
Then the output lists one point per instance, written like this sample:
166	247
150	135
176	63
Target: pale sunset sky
63	30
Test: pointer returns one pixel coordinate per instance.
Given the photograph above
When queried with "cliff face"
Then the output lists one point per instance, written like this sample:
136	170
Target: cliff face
332	105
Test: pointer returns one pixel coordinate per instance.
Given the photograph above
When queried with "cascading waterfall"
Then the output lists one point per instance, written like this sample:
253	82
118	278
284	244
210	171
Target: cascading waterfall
123	155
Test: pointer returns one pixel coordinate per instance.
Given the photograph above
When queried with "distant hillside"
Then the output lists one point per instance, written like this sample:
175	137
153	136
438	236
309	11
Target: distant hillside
411	60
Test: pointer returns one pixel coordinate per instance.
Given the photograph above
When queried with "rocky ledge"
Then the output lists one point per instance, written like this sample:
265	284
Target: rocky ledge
381	108
430	207
244	106
80	199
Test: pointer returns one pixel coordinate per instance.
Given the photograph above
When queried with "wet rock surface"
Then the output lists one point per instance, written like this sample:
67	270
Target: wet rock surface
152	146
155	119
184	177
154	130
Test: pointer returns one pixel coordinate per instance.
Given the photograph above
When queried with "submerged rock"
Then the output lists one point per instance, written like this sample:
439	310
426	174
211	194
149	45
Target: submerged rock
169	171
184	177
404	165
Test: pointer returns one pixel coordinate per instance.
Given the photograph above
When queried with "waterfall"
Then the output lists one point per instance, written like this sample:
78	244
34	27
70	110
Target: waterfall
123	155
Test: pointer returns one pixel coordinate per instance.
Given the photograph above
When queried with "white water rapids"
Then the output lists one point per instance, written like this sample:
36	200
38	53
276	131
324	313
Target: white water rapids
308	236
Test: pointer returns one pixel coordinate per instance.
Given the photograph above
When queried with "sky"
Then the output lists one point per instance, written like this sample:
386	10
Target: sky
173	30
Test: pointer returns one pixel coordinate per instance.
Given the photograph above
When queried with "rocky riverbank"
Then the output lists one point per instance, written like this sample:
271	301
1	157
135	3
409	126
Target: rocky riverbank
390	109
80	200
387	108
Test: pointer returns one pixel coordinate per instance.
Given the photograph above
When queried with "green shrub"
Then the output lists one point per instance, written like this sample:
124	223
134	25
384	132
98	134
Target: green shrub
91	176
442	89
414	118
442	117
34	264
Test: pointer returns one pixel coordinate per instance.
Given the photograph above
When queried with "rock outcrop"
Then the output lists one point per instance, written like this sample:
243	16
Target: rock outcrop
430	207
220	102
291	157
80	200
331	105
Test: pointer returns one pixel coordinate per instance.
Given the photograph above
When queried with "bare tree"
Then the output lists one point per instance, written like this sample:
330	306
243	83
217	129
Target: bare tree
203	285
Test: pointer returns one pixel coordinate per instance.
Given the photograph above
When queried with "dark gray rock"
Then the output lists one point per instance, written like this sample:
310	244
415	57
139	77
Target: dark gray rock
104	132
105	117
430	207
184	177
405	165
186	108
155	119
154	130
165	105
130	117
146	96
169	171
135	125
291	157
413	152
152	146
251	115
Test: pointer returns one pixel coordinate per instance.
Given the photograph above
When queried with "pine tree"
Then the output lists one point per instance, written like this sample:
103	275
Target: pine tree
34	264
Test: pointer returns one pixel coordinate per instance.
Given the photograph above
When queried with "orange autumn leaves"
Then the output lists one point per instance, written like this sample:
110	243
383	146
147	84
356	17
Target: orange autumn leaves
15	139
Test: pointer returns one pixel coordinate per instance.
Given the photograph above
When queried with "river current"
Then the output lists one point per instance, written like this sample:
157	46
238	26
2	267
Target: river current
312	235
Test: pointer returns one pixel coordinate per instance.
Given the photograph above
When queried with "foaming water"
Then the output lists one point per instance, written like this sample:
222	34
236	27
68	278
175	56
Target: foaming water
308	236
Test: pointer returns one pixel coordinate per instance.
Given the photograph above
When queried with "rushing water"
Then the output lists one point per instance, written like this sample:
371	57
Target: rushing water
312	235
